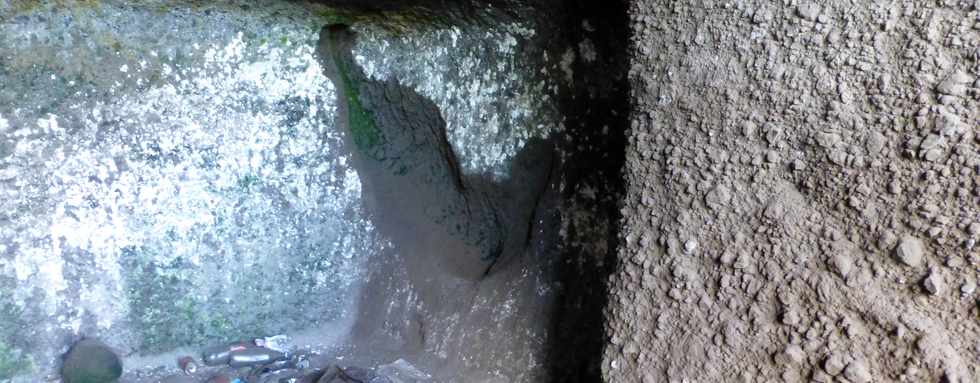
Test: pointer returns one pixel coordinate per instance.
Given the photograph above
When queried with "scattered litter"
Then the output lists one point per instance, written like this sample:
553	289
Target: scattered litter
279	343
274	360
254	356
187	365
218	355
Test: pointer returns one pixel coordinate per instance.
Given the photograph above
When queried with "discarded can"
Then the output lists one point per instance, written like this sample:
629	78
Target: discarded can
218	355
187	364
255	356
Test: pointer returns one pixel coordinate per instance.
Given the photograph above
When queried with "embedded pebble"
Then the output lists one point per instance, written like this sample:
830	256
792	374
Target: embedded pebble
955	84
842	264
974	229
690	246
909	250
857	372
934	283
808	11
835	363
968	287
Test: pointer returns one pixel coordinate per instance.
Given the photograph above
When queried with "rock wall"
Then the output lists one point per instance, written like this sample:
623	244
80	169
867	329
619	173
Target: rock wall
802	193
181	174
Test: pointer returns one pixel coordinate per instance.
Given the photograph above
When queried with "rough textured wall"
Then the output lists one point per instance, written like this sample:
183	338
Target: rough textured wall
177	174
170	175
802	194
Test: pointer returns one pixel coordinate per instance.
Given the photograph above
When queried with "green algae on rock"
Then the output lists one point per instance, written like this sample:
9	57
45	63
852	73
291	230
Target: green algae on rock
12	362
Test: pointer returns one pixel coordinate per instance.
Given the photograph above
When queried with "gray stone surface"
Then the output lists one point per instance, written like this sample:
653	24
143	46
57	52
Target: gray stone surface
172	176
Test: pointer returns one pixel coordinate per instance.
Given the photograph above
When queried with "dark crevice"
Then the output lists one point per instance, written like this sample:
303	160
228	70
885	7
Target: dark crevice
595	114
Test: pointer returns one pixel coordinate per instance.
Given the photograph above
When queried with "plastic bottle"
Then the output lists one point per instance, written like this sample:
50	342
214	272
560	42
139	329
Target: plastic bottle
218	355
296	362
255	356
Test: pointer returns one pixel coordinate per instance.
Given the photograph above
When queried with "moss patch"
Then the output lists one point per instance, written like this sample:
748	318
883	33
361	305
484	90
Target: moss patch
334	16
363	128
12	362
164	310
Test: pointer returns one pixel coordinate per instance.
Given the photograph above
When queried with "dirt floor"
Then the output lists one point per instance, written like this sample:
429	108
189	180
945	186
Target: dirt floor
802	197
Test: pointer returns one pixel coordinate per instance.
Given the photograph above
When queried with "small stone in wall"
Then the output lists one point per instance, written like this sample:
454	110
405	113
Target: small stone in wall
791	318
934	283
895	187
792	355
718	198
857	372
842	264
834	364
974	229
909	251
968	287
821	377
690	246
955	84
808	11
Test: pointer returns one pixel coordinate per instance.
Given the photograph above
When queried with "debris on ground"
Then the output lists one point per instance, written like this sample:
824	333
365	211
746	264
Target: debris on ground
187	365
276	360
220	355
279	342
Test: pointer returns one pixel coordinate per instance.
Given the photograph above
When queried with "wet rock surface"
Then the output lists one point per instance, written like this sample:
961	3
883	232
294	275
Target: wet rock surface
824	158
